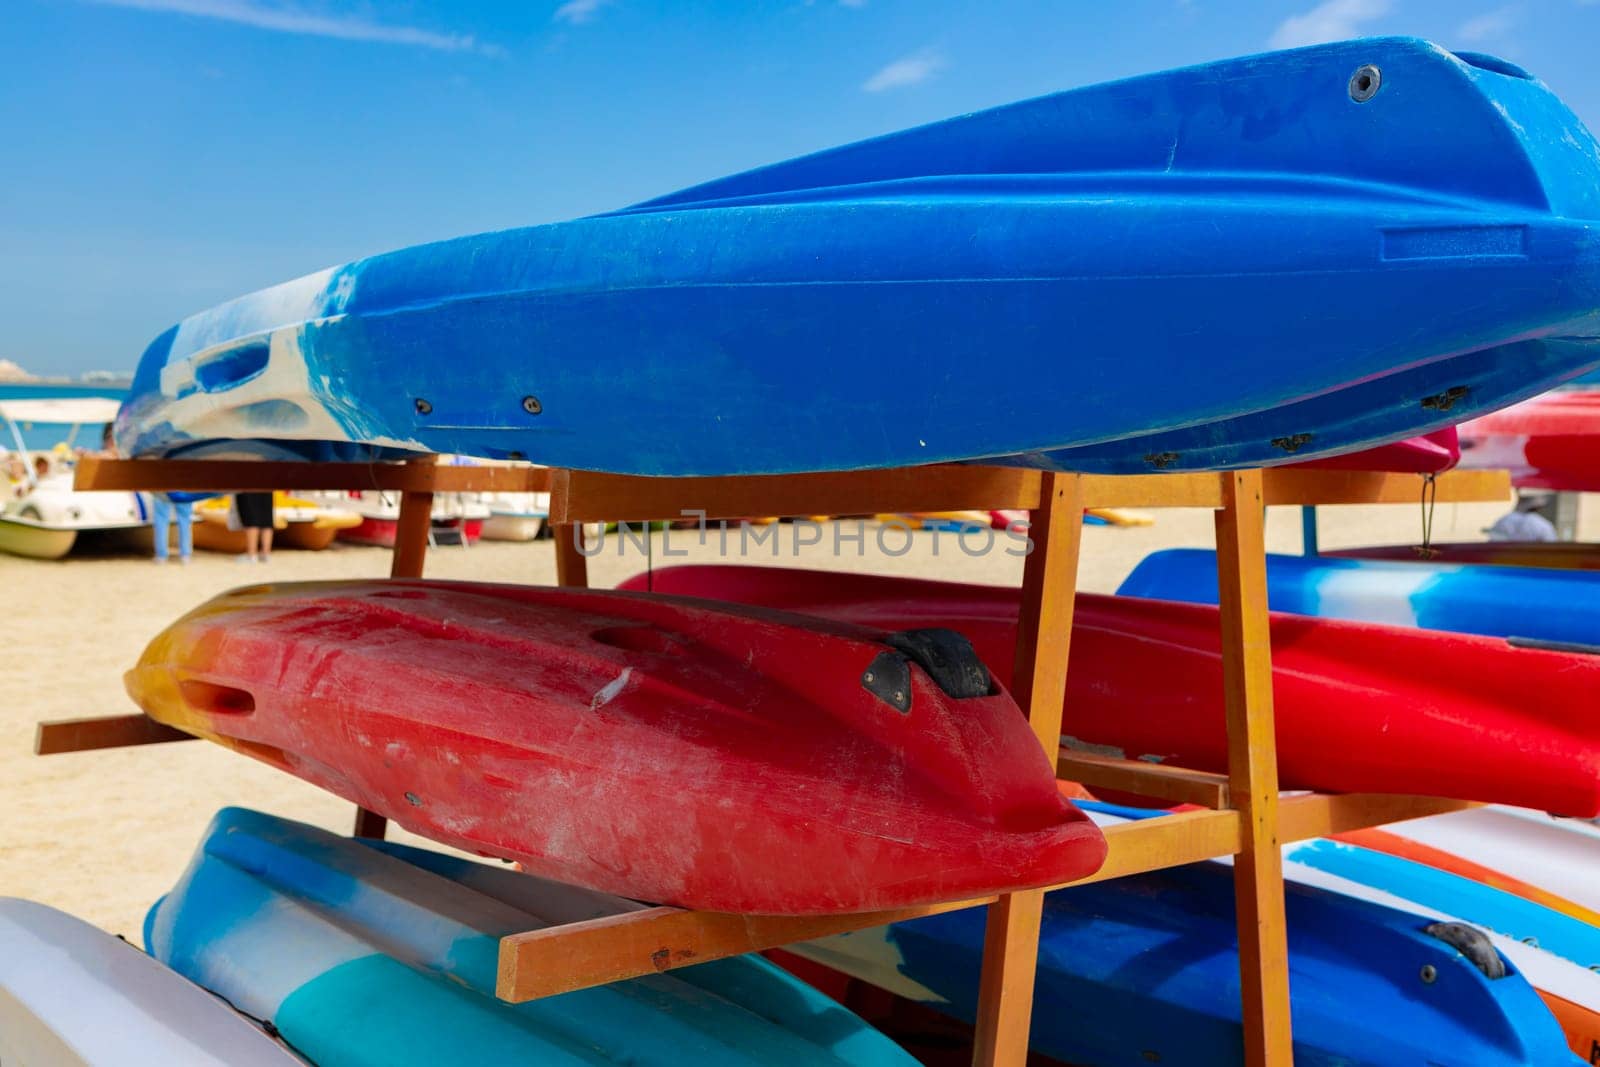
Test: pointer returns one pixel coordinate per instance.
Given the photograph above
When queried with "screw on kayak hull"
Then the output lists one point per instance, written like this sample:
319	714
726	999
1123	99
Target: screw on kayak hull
1364	83
531	405
414	800
423	407
1429	974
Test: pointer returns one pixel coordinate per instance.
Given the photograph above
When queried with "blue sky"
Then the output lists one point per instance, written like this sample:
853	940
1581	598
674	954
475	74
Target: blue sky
164	155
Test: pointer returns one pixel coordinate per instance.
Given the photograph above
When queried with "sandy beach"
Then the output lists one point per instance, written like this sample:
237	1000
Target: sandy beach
103	835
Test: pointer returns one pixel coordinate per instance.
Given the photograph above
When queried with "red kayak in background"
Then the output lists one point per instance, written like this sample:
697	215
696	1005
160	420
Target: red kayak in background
733	759
1549	442
1360	707
1432	453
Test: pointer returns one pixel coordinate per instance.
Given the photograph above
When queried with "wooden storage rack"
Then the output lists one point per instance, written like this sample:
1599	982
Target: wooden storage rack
1243	814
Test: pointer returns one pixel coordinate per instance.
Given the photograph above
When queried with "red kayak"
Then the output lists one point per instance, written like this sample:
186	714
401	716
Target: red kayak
1549	442
1360	707
1432	453
733	759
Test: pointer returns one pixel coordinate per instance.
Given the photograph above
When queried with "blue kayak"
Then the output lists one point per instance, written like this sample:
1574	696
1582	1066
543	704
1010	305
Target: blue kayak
1145	969
1540	605
1245	262
361	954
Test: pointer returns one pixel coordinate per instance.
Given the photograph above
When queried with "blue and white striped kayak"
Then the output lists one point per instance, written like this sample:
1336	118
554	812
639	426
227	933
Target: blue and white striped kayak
367	954
1536	603
72	994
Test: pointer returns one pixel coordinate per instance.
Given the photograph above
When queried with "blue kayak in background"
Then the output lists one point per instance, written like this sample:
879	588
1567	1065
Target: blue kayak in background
1145	969
1240	263
1537	604
366	953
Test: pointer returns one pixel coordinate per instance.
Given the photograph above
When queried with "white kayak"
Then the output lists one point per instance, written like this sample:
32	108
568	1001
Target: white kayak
72	994
1561	856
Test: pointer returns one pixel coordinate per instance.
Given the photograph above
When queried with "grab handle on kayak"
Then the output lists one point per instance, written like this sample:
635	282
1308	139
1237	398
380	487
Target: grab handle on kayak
217	699
1473	944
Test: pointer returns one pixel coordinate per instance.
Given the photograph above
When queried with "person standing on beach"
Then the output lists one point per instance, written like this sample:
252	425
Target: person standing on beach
163	509
255	515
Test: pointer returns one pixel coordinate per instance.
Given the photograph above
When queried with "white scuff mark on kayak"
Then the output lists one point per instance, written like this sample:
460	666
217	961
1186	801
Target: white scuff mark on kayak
270	309
1077	744
609	691
1371	594
1172	153
870	954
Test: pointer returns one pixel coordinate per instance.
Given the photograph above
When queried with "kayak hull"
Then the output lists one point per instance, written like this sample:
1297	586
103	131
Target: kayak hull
661	749
1358	707
781	306
72	994
368	953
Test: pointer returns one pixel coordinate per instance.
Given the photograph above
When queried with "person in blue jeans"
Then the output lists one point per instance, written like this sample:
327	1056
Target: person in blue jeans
163	510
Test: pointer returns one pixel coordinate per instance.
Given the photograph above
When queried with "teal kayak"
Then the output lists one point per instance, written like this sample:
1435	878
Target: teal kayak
362	954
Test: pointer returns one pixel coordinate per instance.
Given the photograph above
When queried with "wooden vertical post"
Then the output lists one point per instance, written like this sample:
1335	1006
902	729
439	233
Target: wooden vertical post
1039	682
572	566
370	824
1253	770
411	535
410	550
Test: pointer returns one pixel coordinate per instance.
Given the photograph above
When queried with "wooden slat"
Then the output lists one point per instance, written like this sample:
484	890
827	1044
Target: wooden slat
1176	785
94	472
114	731
572	566
1320	815
559	959
542	963
370	824
1039	683
1253	771
584	496
1168	841
1288	485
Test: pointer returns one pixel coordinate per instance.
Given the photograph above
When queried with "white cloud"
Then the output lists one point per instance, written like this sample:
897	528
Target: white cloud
1331	20
909	70
1488	26
577	12
285	18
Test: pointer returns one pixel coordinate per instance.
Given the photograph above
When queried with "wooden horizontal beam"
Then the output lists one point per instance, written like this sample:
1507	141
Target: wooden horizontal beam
94	472
88	735
1289	485
1175	785
587	496
560	959
1323	814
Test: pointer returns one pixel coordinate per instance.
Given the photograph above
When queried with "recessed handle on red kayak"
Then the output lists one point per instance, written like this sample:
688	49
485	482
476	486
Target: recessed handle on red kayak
217	699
